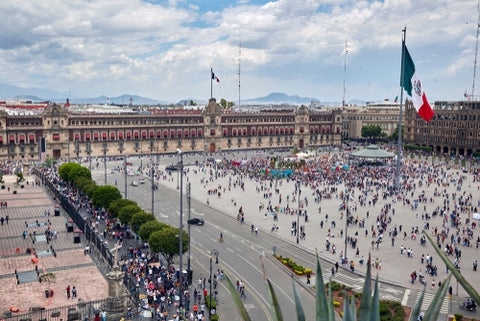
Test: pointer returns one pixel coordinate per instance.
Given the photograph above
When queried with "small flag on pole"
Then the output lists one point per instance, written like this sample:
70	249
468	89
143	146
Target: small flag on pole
396	99
413	86
215	77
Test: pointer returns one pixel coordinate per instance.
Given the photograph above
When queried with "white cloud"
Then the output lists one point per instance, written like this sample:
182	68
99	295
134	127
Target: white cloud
164	51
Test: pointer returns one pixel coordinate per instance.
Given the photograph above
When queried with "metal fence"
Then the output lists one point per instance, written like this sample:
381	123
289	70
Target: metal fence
80	311
100	245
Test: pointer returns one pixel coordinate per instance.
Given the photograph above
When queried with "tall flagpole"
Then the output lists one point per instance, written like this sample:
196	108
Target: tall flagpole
399	145
211	86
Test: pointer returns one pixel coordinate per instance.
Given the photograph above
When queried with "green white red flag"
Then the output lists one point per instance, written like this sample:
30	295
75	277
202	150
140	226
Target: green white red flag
413	86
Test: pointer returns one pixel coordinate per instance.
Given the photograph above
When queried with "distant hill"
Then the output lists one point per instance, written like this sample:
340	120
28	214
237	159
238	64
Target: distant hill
9	91
119	100
281	98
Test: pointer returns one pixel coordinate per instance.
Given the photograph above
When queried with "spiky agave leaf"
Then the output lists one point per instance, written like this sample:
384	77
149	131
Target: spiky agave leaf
298	303
366	302
436	304
331	307
375	311
321	302
352	307
347	312
416	308
238	301
463	282
274	305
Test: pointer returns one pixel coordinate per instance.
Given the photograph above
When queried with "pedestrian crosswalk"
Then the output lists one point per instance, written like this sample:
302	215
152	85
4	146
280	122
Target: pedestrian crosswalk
427	299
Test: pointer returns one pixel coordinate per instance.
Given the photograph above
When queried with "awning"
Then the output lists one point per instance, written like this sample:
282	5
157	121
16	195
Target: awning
22	137
193	132
179	133
112	135
265	131
224	132
244	131
311	129
1	139
144	134
87	136
316	129
104	135
172	133
277	130
234	132
129	134
120	135
302	130
281	130
199	133
136	134
165	134
292	130
31	137
271	130
212	132
77	136
55	136
95	136
152	134
159	134
253	131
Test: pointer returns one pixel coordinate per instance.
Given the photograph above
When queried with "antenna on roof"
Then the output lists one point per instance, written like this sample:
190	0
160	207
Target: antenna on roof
476	53
345	73
239	60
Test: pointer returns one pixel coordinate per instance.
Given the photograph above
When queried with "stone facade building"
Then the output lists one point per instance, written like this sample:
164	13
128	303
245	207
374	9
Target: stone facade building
453	130
68	135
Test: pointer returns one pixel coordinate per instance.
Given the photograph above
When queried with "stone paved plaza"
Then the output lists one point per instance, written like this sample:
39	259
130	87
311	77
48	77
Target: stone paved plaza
395	267
26	212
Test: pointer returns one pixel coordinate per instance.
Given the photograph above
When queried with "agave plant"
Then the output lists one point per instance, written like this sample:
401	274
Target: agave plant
369	309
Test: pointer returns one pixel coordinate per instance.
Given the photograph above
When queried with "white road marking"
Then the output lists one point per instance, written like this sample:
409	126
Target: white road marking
405	297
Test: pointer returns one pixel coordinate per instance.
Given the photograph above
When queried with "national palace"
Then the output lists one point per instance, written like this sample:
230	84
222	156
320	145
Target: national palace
59	133
67	135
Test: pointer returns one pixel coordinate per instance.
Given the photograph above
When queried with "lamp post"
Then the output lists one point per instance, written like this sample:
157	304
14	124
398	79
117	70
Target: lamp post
89	151
298	214
346	227
181	226
105	160
214	252
126	177
189	235
153	189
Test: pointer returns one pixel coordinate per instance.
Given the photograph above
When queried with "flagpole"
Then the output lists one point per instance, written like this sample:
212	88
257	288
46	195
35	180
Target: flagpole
399	144
211	86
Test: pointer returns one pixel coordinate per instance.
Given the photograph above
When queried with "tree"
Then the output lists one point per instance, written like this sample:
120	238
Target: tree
104	195
65	169
149	227
167	242
140	218
192	103
117	205
394	135
126	213
230	104
223	103
371	131
78	171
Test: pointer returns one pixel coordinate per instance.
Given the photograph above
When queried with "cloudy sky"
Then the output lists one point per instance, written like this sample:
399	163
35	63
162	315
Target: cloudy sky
165	49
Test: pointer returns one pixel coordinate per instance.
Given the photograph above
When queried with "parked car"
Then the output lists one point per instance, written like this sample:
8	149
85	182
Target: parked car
142	181
172	168
196	221
134	183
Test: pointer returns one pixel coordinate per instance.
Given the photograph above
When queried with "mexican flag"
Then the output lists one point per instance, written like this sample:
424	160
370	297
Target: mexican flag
413	87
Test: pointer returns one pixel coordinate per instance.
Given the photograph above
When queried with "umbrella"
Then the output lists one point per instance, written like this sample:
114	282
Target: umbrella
476	216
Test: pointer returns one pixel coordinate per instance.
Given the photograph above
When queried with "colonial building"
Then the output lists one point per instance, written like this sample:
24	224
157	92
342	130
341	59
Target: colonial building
453	130
383	114
68	135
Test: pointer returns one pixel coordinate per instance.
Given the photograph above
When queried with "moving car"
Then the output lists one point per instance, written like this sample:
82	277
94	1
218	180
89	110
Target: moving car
142	181
196	221
134	183
172	168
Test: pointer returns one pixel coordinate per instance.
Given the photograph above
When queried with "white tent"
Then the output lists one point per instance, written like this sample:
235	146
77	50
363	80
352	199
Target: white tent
476	216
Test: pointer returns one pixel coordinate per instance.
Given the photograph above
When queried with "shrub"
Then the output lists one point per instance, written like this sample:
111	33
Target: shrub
308	271
336	304
207	302
458	316
358	295
214	317
335	286
385	313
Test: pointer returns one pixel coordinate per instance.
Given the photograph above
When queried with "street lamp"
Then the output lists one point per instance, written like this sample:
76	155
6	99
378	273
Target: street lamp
189	235
105	160
179	152
125	176
346	227
214	252
153	188
298	214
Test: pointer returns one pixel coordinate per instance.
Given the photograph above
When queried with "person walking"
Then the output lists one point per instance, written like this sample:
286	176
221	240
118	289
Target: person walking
475	265
68	291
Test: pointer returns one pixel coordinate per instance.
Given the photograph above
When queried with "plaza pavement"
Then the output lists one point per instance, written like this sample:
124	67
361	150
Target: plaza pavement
70	266
396	268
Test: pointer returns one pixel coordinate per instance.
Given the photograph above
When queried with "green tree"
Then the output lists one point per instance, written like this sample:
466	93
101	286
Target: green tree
78	171
90	188
65	169
126	213
230	104
394	135
223	103
192	103
117	205
50	161
149	227
140	218
371	131
104	195
167	242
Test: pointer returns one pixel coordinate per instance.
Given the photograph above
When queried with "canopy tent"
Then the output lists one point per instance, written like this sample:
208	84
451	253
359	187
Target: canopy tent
372	151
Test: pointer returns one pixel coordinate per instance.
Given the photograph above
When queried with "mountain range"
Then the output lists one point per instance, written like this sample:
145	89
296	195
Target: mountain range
9	92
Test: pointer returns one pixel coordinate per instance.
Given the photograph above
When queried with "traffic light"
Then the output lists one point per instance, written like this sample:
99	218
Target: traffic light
450	290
